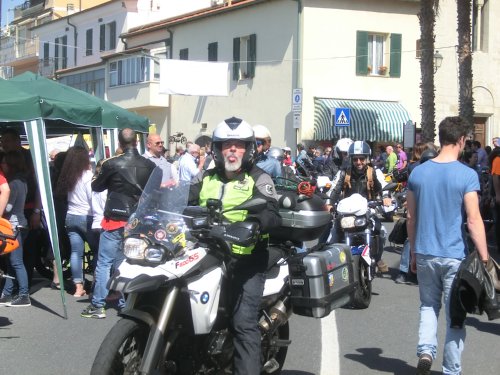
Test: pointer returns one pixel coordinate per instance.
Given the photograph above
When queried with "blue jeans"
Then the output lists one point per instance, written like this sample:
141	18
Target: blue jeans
16	269
110	255
79	229
404	263
435	276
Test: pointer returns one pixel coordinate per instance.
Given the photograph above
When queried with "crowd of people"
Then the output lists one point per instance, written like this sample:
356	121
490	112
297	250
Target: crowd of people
92	207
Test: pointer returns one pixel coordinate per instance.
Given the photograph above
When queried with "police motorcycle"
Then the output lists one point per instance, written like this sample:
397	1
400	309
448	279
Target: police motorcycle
176	276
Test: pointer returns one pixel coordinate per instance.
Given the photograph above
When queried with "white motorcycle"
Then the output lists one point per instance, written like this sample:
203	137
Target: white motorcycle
364	235
176	277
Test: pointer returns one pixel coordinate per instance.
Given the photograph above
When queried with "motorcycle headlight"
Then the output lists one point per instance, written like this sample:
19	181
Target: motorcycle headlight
154	255
360	221
134	248
347	222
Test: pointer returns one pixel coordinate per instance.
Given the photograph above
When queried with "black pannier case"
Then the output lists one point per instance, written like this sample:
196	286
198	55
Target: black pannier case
321	281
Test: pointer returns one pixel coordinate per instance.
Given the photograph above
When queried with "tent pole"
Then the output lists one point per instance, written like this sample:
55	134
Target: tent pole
35	131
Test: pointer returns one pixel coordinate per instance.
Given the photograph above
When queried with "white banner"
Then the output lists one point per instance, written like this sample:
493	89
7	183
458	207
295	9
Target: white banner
183	77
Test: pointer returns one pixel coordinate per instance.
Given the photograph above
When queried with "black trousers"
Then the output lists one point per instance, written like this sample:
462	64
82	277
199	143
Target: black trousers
247	286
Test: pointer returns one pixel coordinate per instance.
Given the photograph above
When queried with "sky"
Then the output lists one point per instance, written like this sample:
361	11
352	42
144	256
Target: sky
6	14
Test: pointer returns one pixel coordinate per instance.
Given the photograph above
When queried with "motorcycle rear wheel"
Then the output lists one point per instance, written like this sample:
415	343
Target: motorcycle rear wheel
283	333
122	350
362	295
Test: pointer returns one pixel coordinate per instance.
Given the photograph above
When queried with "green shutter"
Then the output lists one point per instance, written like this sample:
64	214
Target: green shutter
184	54
102	38
56	54
212	51
64	52
236	59
252	55
88	45
395	68
112	35
361	53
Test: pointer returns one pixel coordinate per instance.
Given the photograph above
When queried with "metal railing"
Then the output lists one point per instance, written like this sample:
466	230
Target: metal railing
47	67
13	49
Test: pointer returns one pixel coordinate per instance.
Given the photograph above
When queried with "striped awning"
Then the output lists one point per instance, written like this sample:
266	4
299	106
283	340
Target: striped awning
370	120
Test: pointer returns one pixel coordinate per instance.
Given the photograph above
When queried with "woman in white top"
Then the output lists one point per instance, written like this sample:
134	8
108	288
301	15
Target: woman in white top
74	181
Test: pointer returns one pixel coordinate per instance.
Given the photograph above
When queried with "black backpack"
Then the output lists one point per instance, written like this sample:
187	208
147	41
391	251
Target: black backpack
399	233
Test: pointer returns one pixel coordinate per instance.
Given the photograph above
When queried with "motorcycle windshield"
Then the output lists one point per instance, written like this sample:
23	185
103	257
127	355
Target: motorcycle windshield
159	214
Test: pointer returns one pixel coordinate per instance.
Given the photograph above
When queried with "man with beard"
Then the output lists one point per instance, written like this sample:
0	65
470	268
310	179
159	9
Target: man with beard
362	179
234	180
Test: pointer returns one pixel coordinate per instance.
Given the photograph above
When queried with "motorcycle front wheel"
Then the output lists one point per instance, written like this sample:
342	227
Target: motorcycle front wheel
362	295
122	350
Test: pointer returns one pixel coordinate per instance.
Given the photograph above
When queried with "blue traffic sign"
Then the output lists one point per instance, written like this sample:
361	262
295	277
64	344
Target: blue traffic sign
342	117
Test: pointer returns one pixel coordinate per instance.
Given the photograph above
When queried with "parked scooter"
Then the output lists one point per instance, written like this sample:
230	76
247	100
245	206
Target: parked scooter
177	277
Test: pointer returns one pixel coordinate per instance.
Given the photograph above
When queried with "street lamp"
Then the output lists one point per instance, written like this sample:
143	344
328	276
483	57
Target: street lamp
438	60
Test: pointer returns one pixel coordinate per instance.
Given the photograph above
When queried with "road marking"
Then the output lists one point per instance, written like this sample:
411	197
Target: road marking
329	346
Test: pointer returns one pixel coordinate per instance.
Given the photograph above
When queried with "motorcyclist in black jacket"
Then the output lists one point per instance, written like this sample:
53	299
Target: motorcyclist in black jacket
124	176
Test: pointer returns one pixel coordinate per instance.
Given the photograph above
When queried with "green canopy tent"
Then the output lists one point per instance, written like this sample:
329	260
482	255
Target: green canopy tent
41	103
18	106
113	116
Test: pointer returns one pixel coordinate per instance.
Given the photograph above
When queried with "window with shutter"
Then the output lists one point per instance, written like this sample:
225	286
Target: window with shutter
372	56
88	44
244	57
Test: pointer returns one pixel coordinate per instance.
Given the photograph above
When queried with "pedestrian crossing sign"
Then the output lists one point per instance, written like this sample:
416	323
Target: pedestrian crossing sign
342	117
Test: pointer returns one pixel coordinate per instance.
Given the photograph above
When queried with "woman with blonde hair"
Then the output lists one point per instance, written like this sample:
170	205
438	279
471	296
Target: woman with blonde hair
74	183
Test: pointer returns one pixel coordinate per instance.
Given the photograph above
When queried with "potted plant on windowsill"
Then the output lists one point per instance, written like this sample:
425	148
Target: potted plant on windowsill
382	70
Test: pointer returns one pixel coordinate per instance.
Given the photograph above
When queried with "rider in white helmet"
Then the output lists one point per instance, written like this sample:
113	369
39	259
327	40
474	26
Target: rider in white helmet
263	161
361	178
234	180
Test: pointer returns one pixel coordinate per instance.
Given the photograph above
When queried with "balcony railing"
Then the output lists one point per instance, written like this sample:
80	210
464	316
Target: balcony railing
47	67
12	49
27	8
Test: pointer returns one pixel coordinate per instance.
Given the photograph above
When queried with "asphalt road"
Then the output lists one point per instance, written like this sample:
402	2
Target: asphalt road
379	340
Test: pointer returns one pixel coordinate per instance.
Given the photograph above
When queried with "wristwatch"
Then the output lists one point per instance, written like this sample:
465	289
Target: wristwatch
36	210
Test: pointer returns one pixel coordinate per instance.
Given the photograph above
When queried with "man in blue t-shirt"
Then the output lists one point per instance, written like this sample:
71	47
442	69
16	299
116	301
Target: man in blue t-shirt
442	197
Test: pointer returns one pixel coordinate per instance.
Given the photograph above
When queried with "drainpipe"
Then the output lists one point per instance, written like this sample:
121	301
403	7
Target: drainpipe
125	44
298	59
75	35
169	111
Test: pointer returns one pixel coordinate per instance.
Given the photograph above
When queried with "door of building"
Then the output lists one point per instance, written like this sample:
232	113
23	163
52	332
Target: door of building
480	130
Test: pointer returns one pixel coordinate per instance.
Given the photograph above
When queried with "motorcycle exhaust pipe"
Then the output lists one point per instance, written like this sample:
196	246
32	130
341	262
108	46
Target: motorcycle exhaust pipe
278	315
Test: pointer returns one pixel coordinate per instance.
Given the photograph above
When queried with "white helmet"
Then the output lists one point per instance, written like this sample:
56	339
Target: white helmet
261	132
343	145
234	128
